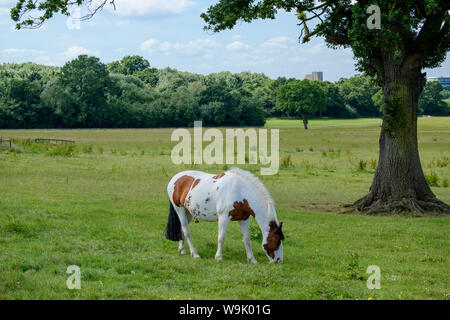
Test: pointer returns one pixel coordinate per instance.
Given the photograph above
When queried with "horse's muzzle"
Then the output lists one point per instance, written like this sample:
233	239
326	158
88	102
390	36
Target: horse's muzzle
278	260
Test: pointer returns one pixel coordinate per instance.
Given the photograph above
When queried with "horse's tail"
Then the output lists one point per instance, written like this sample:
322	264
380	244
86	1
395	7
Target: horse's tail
173	229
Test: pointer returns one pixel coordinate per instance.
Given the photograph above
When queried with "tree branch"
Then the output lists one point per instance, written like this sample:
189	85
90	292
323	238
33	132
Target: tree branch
47	8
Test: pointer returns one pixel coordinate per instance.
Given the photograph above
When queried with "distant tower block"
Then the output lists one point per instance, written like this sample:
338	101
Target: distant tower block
444	81
315	76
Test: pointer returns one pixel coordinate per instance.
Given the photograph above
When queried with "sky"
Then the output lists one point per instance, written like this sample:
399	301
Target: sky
169	33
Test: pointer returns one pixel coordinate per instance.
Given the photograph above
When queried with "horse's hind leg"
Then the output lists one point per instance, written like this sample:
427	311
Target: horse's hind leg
244	224
186	232
223	223
181	247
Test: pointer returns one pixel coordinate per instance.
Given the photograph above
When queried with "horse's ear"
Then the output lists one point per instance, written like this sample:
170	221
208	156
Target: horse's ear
279	227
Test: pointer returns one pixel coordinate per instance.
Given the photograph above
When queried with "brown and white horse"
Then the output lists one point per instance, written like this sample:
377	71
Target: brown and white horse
231	196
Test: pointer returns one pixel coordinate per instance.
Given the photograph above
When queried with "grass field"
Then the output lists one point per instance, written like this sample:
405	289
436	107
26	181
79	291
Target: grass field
321	123
105	209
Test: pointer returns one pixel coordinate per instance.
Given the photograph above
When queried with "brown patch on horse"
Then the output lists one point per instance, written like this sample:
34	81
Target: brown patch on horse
182	187
274	238
206	200
241	211
195	183
219	176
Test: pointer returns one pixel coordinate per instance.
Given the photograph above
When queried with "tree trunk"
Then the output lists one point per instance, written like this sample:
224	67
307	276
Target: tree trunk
399	183
305	121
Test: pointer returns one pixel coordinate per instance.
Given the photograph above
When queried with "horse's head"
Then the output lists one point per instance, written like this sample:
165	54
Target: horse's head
272	244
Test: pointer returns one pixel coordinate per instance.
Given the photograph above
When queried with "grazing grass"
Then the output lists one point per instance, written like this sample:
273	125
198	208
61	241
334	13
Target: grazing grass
103	206
320	123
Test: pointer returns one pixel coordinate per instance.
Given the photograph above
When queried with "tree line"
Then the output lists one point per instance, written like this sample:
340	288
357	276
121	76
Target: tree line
86	93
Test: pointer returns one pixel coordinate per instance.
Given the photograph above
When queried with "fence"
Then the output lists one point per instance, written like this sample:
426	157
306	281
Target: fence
8	143
5	142
54	141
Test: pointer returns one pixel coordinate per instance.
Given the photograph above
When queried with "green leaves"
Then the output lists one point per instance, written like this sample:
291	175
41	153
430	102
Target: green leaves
431	101
301	97
43	10
419	29
393	114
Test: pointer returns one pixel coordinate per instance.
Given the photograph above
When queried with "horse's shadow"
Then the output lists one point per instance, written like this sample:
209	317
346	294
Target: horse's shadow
230	253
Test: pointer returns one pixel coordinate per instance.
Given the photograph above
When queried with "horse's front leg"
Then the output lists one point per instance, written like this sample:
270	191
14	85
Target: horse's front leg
244	224
187	234
224	219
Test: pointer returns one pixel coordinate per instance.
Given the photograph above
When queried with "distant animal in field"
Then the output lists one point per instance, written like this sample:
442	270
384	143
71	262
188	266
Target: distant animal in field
235	195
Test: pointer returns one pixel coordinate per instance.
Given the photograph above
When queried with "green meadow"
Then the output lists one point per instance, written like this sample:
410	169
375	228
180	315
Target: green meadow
102	205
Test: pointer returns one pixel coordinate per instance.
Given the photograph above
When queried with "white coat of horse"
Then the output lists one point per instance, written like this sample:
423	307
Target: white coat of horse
231	196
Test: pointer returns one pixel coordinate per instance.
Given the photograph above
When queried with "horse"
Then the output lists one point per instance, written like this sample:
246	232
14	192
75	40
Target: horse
234	195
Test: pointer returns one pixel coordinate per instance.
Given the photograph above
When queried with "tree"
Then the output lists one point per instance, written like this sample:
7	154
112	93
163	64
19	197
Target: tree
445	93
21	86
133	64
301	97
87	79
116	67
138	66
357	92
148	76
45	9
431	101
335	103
251	111
83	94
414	35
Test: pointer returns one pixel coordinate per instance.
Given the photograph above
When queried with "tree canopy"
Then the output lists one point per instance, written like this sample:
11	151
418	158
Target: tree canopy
301	97
86	93
412	31
412	35
431	101
33	13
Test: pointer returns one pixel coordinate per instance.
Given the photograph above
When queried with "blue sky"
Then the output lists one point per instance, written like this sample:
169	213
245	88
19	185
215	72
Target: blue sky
170	33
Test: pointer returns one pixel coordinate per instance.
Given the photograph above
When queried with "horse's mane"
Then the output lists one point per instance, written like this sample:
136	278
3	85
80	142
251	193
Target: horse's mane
255	182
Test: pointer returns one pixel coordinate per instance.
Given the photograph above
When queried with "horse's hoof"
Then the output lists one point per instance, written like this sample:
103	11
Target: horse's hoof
182	251
195	255
218	258
252	260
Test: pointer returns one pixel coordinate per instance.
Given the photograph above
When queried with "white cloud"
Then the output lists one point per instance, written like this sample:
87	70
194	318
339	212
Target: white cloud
75	51
150	45
315	49
237	45
22	55
190	48
165	46
280	42
196	47
15	52
46	60
149	7
4	16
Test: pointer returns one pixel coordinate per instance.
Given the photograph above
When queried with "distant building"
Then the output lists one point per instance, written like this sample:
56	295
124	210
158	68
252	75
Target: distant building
315	76
444	81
